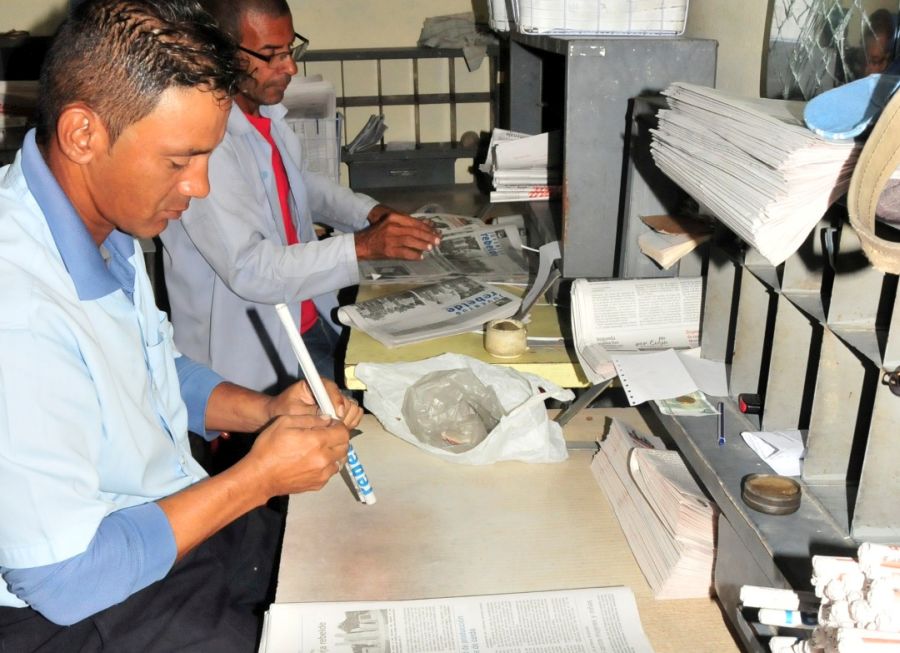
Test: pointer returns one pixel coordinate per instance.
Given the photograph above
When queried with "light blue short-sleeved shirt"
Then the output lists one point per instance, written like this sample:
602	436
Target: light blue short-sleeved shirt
91	416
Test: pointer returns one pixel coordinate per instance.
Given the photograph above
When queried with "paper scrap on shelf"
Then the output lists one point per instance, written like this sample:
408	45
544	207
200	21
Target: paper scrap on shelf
671	238
781	450
667	374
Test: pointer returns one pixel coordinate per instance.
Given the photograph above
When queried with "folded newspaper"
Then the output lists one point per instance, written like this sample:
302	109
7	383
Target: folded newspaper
469	248
629	315
444	308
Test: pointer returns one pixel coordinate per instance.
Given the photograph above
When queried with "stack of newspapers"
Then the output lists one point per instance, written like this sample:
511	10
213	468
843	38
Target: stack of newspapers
753	163
668	522
524	168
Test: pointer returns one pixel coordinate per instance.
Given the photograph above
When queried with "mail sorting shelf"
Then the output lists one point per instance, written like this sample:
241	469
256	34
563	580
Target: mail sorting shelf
429	77
584	86
815	337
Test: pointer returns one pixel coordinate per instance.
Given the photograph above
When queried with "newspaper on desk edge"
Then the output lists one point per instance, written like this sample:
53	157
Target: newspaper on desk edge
443	308
595	619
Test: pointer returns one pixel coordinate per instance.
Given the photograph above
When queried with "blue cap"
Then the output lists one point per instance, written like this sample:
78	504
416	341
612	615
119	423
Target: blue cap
849	110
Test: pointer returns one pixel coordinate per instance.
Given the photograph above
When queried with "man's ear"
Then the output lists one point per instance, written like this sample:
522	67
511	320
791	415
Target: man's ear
80	133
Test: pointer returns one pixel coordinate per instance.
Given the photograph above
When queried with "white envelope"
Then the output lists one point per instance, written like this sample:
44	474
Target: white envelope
783	451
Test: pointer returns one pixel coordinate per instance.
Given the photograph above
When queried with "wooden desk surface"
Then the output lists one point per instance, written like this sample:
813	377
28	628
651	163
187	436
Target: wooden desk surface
441	529
554	361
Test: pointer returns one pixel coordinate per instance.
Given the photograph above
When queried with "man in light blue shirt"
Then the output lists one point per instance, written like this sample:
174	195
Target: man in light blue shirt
111	535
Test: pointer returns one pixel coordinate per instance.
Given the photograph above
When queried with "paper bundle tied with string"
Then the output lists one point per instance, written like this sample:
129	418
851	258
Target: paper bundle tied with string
877	162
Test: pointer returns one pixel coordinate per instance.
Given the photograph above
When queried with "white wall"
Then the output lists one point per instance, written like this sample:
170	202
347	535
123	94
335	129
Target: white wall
367	23
740	28
39	17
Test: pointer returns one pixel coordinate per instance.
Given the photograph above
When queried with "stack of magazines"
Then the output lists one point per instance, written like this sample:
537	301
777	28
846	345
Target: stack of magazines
668	522
753	163
524	168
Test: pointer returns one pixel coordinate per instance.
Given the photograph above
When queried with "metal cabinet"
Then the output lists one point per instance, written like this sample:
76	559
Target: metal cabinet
584	86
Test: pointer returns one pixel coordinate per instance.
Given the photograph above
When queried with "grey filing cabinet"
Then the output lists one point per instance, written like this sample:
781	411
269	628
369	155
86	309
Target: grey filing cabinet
584	86
815	337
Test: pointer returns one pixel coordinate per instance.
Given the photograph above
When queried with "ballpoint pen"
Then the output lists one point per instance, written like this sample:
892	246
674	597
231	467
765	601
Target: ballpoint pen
720	426
360	481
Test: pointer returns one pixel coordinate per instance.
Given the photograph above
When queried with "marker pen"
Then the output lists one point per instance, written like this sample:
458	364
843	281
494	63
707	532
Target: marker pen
790	618
357	473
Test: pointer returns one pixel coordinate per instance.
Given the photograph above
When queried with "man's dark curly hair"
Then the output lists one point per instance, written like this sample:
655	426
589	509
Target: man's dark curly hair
119	56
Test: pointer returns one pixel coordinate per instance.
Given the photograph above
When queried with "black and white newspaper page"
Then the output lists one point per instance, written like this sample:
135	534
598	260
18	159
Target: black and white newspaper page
596	620
444	308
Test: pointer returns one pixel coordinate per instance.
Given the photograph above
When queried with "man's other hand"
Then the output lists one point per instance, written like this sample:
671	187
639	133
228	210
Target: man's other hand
393	235
298	399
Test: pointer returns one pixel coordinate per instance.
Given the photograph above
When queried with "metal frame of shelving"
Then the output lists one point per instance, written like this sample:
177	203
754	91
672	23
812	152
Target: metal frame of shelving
813	337
428	163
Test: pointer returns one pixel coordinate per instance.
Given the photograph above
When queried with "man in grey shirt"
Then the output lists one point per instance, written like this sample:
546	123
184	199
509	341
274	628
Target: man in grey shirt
233	256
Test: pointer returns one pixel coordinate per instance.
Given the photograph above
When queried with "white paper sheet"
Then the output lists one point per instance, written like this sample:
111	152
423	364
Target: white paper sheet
669	373
783	451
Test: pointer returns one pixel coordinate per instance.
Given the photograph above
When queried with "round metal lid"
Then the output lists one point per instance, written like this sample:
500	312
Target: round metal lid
771	493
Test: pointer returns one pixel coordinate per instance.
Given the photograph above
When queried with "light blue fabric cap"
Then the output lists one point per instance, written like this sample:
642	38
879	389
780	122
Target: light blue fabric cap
847	111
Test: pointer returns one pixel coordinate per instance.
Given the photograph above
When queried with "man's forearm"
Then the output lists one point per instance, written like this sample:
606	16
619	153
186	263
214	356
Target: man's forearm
199	511
297	453
234	408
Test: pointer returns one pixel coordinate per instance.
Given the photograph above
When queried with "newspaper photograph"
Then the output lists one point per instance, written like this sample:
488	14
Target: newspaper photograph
575	621
633	315
469	247
445	308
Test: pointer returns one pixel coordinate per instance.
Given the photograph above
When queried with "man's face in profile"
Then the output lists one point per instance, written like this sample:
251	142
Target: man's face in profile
267	35
158	163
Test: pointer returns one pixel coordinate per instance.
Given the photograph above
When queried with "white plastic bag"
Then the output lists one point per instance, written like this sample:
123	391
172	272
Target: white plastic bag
526	433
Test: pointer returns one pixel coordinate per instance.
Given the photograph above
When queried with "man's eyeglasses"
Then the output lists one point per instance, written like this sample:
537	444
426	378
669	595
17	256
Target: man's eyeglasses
295	52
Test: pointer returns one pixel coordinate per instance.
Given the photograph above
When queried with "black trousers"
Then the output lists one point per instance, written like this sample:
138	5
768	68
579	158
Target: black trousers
212	600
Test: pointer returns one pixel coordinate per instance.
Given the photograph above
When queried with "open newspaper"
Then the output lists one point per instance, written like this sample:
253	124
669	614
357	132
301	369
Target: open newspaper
469	248
576	621
633	315
444	308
